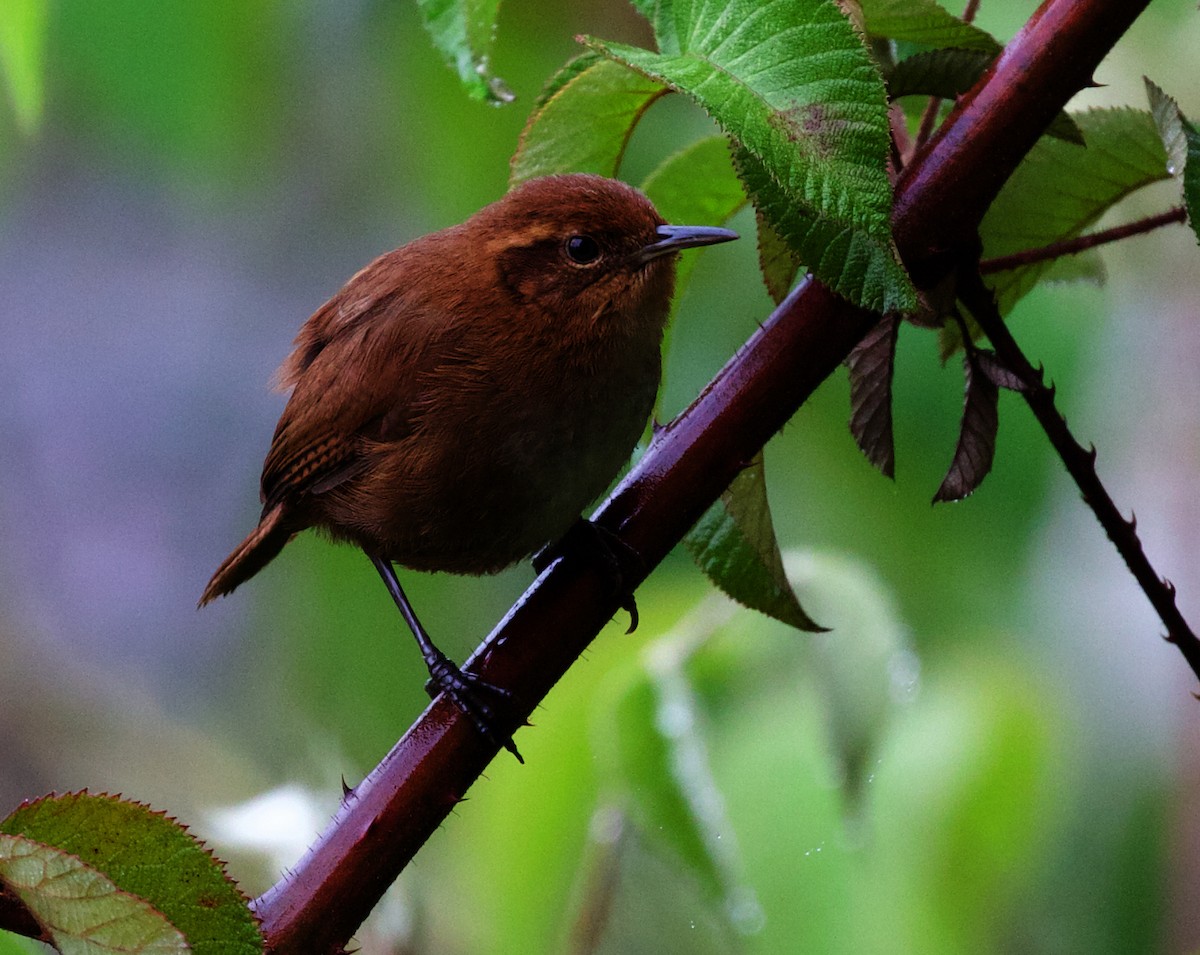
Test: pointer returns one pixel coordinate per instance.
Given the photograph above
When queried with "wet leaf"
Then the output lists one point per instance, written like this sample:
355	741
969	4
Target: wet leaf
655	742
463	32
1181	140
841	257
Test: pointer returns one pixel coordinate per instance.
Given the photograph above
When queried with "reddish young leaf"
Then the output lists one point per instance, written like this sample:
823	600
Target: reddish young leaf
977	435
871	364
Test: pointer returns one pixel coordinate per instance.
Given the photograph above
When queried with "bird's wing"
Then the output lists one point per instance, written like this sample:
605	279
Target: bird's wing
356	372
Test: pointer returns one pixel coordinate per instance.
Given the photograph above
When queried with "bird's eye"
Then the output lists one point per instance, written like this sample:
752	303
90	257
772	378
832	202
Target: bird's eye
582	249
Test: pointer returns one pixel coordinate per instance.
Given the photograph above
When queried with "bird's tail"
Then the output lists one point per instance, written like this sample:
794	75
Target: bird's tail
251	555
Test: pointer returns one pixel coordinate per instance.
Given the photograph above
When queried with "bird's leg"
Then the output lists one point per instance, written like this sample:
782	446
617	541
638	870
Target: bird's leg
620	561
463	688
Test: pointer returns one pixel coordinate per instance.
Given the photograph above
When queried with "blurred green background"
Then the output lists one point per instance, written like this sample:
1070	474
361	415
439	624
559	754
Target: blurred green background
993	750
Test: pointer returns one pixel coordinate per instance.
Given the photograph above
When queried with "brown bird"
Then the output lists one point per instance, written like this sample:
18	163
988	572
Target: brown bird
461	399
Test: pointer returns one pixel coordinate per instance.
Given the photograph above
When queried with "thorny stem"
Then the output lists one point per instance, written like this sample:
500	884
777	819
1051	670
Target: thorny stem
1081	243
968	15
1080	463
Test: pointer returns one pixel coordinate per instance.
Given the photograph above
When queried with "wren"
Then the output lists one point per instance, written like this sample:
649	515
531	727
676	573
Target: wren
461	399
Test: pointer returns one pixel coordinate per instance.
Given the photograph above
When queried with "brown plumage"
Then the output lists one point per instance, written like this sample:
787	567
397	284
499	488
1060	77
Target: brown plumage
460	400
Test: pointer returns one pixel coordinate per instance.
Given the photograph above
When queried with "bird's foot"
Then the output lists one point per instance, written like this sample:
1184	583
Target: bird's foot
620	562
468	692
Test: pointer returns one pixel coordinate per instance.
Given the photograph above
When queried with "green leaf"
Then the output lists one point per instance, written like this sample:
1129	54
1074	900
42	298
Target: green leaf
1060	189
966	801
643	757
645	7
585	122
791	82
11	944
567	72
864	663
944	73
148	855
1181	140
734	544
655	742
81	910
924	22
22	41
1169	121
776	261
463	32
849	261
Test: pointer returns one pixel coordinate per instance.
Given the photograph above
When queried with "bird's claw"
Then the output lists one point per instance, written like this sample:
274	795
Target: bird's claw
620	561
467	692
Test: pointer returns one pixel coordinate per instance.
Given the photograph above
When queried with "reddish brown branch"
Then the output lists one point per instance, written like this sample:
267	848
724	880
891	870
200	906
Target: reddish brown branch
1081	243
941	197
1081	465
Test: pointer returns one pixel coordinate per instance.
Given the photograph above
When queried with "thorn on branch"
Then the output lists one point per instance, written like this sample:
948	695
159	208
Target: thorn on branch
1080	465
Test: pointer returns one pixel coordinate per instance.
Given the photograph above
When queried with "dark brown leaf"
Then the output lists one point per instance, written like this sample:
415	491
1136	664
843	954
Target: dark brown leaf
998	373
976	438
871	364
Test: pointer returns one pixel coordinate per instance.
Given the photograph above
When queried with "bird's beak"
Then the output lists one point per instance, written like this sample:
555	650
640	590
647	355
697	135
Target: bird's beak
672	238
